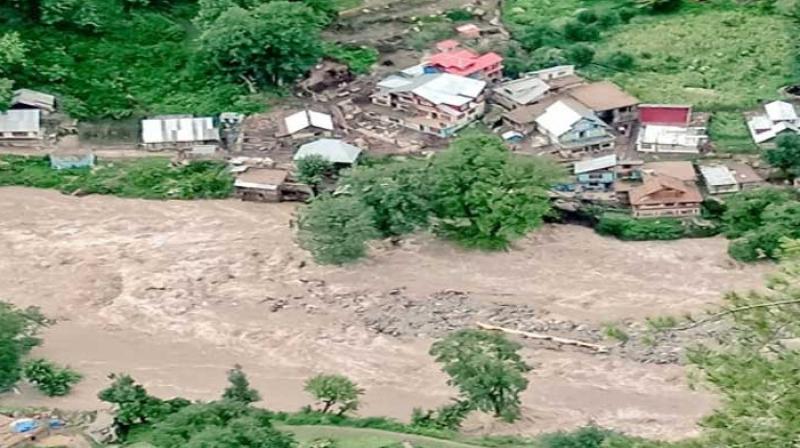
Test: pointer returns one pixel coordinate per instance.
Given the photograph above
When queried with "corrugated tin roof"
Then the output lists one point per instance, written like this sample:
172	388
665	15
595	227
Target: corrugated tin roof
33	98
438	88
332	150
523	91
670	135
717	176
780	111
598	163
561	116
20	120
179	130
307	118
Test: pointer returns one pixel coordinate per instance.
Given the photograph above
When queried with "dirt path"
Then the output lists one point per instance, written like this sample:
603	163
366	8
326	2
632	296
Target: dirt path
177	292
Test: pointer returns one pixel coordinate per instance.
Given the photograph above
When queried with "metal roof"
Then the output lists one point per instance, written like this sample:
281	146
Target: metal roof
717	175
560	116
598	163
438	88
523	91
780	111
332	150
307	118
20	120
35	99
670	135
179	130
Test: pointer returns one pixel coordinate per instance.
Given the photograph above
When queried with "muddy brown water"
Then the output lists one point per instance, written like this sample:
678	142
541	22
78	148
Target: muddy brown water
175	293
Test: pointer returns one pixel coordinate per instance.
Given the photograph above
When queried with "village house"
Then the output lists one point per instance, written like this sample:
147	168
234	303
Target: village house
667	128
630	174
260	185
20	124
523	119
333	150
179	132
313	123
779	117
730	178
609	102
597	174
456	60
31	99
660	196
573	128
534	86
438	104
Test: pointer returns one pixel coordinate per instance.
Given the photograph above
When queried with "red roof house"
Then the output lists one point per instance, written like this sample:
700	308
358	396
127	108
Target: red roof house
465	62
665	114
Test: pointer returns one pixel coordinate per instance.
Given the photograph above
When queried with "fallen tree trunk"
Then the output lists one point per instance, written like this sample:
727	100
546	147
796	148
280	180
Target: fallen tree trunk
545	337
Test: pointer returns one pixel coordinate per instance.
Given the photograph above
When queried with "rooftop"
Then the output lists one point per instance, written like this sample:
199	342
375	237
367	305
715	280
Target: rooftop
332	150
464	62
671	135
308	118
680	169
665	114
562	115
598	163
35	99
645	194
179	130
524	90
261	178
528	114
780	111
438	88
602	96
717	176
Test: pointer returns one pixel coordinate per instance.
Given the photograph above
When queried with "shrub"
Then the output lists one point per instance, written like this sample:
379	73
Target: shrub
620	60
360	59
608	19
631	229
458	15
332	391
626	13
580	54
534	37
581	32
586	16
50	379
311	170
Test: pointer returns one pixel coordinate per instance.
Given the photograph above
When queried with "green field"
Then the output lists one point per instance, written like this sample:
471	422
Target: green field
722	56
366	437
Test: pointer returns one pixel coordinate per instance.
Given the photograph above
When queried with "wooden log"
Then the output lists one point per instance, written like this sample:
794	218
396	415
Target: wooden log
545	337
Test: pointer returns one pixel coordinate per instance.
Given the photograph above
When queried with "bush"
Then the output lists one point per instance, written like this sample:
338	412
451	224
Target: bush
311	170
580	54
458	15
580	32
620	60
359	59
586	16
50	379
608	19
631	229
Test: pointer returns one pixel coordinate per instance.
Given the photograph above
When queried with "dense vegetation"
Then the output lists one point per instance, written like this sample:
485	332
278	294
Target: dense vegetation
628	228
475	193
740	53
18	335
148	178
117	58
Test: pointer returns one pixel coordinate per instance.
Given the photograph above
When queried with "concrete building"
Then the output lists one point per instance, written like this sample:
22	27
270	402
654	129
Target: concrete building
333	150
572	127
668	128
20	124
260	185
455	60
438	104
597	174
178	132
730	178
609	102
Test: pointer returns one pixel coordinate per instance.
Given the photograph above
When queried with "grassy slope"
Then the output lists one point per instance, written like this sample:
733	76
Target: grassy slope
720	56
366	437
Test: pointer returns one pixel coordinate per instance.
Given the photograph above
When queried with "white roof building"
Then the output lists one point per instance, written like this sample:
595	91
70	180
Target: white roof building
779	117
20	121
308	118
179	130
438	88
598	163
559	118
523	91
671	136
332	150
718	176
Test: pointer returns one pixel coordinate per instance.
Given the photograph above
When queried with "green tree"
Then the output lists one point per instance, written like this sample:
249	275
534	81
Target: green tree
486	368
209	10
13	53
333	391
619	60
580	54
271	44
49	378
786	155
577	31
220	424
133	405
398	193
239	389
18	335
754	365
483	196
336	229
744	210
779	221
312	170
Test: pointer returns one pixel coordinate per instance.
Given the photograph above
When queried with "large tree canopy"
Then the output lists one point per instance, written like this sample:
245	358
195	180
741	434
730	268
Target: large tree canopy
484	196
273	43
18	330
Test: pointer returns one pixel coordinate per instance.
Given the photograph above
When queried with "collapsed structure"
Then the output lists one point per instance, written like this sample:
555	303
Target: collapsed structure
778	117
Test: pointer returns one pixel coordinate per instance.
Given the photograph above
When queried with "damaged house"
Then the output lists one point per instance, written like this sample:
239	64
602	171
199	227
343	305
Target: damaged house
308	121
667	128
20	124
779	117
533	87
434	103
574	128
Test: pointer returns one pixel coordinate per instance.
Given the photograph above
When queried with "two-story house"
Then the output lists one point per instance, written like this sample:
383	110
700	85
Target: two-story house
434	103
597	174
661	195
670	128
609	102
574	128
455	60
